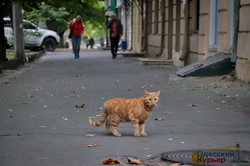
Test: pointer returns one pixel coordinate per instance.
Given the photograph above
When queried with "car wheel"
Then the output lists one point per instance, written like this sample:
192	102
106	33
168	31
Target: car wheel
50	44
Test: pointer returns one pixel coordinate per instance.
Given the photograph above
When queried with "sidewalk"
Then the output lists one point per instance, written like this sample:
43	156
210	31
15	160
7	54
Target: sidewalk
40	124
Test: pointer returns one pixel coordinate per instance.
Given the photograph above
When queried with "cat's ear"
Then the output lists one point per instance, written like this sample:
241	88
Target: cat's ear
145	93
158	93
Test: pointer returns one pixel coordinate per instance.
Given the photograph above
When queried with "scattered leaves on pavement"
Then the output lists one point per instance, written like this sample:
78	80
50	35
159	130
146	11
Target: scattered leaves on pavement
80	106
90	145
110	161
134	161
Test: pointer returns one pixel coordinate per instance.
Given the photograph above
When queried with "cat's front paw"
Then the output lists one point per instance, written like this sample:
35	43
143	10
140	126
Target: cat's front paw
144	134
137	135
117	134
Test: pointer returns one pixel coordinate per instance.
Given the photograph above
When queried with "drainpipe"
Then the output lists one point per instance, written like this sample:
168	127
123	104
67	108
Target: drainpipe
185	47
236	30
145	24
132	26
162	28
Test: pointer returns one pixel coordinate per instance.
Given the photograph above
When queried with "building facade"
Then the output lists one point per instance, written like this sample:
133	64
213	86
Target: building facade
189	31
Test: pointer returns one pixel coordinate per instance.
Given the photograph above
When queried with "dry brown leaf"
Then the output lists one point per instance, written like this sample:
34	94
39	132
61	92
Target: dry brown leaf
159	119
129	89
90	146
90	135
134	161
20	134
175	164
110	161
153	160
193	105
5	83
80	106
10	116
27	103
98	116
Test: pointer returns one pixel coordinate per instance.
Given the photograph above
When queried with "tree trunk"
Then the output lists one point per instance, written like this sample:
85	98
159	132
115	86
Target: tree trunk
2	37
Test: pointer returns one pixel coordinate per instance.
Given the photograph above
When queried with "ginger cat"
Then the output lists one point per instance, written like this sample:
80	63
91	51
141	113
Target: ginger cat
135	110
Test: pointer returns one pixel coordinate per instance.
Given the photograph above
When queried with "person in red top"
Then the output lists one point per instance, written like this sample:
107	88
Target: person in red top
77	29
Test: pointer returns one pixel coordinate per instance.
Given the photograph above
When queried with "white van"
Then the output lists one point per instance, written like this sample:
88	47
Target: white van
33	35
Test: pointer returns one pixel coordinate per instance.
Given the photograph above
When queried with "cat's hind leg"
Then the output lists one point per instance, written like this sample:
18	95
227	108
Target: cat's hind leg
107	124
114	122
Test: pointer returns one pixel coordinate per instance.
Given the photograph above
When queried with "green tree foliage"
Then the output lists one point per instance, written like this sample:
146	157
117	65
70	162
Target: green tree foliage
47	14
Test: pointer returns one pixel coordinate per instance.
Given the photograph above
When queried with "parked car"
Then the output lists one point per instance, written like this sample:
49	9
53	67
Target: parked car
33	35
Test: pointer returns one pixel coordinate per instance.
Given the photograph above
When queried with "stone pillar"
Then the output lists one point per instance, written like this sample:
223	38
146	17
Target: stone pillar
243	54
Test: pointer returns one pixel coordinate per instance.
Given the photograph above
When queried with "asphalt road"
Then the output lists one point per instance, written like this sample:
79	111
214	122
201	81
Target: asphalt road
40	125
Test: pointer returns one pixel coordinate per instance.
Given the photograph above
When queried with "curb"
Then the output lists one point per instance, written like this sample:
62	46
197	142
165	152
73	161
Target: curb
15	63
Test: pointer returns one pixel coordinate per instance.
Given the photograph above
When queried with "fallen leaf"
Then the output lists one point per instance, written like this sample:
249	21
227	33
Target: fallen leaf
20	134
10	110
212	100
134	161
110	161
5	83
63	118
159	119
153	160
90	135
27	103
129	89
193	105
80	106
10	116
175	164
90	146
98	116
74	91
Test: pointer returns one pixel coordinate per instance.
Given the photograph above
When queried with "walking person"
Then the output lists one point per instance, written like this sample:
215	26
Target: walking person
115	30
77	28
91	42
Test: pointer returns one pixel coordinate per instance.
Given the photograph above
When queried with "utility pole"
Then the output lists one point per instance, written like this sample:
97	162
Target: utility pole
18	31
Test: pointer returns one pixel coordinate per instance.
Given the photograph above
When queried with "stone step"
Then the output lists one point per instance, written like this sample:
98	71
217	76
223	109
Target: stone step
131	54
155	61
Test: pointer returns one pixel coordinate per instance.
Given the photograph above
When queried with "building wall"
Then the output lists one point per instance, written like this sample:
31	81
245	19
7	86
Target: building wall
243	53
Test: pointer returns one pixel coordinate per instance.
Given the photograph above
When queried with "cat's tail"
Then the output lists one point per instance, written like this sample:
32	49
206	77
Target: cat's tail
100	122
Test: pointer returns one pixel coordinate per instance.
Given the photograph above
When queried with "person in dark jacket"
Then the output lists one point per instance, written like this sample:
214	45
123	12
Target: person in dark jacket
91	42
115	31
